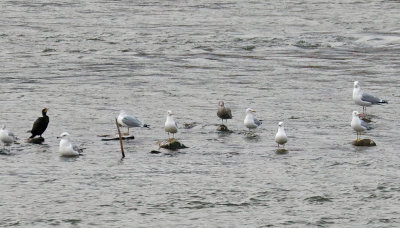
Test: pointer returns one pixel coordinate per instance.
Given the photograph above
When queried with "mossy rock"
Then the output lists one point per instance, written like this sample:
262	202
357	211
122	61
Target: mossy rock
223	128
364	142
38	140
251	135
281	151
172	144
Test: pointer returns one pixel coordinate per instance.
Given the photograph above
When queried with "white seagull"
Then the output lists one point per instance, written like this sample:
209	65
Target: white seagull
66	148
365	99
358	124
170	124
6	137
250	121
280	136
126	120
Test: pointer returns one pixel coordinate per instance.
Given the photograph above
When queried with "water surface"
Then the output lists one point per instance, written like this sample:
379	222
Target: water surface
291	61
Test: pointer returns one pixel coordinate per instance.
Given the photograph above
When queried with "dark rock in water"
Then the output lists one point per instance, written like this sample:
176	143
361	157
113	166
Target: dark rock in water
223	127
318	199
251	135
364	142
38	140
172	144
281	151
155	152
189	125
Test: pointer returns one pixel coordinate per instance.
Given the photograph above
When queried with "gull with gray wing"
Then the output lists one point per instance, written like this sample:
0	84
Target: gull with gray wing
6	137
365	99
358	124
170	124
67	149
250	121
126	120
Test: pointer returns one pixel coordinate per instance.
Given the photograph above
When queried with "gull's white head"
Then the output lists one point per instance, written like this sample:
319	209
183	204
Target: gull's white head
249	110
355	113
169	112
221	103
356	85
280	124
63	135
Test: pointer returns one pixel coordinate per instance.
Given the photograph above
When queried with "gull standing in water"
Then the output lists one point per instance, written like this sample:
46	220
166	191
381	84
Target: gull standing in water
250	121
223	112
281	137
66	148
365	99
359	125
170	124
126	120
40	125
6	137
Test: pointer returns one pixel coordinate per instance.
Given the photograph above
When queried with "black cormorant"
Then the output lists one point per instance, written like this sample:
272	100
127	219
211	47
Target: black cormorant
40	125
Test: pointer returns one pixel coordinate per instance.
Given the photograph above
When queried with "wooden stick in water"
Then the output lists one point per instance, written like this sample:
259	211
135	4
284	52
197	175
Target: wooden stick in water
120	138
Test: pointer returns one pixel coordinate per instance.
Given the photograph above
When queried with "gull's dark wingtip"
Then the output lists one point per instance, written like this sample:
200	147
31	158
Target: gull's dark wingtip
384	102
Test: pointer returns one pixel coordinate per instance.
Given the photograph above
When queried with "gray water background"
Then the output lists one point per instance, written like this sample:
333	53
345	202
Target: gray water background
292	61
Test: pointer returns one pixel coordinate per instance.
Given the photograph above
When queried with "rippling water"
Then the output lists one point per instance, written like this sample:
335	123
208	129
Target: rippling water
289	60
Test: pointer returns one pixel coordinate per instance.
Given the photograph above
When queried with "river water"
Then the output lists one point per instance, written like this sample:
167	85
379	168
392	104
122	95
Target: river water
292	61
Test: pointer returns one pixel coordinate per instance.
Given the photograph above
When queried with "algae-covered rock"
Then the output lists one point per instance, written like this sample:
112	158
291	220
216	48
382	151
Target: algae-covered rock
172	144
364	142
281	151
223	127
38	140
251	135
